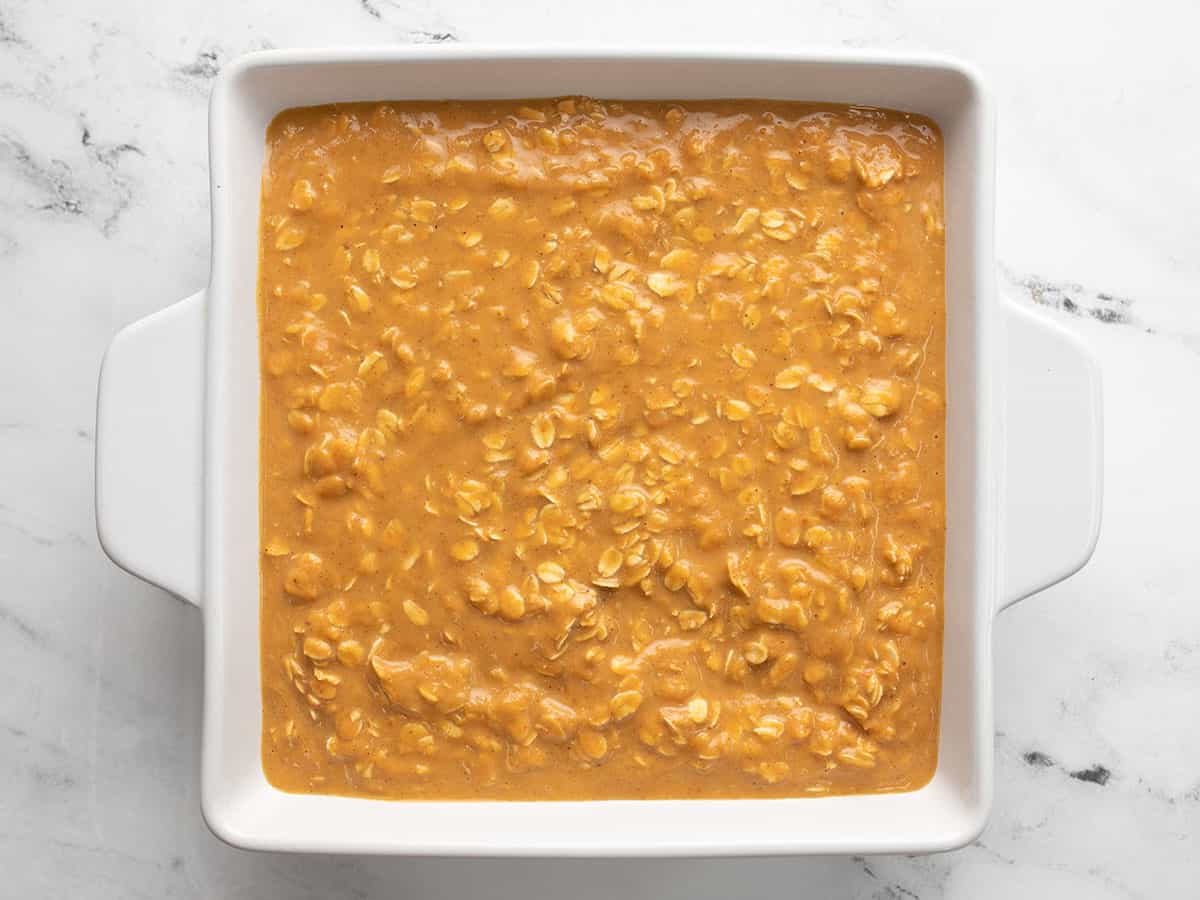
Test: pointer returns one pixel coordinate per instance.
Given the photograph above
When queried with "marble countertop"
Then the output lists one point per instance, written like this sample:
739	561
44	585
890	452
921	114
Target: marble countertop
104	218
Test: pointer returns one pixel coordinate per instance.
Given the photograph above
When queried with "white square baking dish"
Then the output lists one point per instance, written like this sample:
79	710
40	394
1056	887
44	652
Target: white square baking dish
177	462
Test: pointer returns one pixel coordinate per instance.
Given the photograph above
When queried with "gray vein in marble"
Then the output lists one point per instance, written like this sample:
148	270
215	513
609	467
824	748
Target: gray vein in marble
108	157
1097	775
70	537
31	535
992	852
1094	774
87	672
61	190
1180	654
196	76
1073	298
942	863
54	179
51	777
1038	758
36	93
376	10
103	33
206	66
1188	796
9	37
432	37
24	737
174	864
888	890
23	628
26	427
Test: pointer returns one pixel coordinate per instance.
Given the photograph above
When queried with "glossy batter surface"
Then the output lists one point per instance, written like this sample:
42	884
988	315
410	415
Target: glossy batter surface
602	449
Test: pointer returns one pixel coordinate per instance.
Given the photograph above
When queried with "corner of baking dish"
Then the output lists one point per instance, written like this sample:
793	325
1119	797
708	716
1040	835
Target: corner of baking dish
238	803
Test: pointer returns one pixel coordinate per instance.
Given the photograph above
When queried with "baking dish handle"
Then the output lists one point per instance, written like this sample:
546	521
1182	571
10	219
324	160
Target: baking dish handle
149	446
1051	488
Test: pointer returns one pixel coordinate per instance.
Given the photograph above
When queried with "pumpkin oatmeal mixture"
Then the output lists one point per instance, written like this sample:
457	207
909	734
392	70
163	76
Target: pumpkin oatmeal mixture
602	449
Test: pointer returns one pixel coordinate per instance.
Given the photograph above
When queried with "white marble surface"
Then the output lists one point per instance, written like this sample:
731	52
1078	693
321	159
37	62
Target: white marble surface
103	219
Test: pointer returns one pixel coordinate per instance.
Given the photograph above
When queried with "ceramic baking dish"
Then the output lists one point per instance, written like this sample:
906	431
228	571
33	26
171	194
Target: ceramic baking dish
177	462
